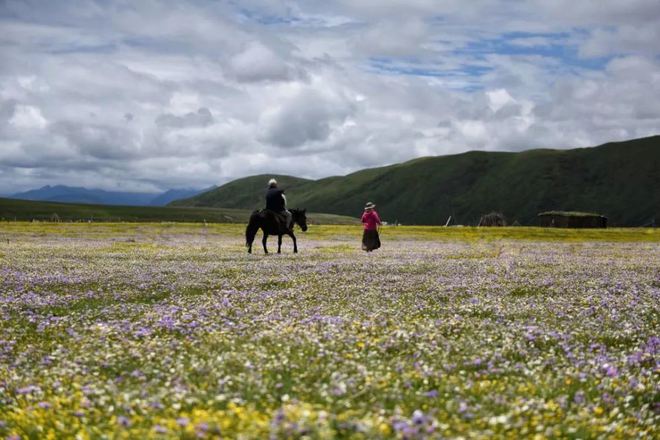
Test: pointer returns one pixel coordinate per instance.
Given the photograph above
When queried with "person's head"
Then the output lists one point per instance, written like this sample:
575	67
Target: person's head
369	206
272	183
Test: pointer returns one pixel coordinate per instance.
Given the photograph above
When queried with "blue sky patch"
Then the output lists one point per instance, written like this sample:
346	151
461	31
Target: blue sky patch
558	46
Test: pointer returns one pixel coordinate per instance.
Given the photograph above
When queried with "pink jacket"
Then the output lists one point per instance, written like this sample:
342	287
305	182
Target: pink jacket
371	220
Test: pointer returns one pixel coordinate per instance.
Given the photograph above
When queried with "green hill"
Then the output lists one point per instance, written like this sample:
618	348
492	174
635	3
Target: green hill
620	180
13	209
246	193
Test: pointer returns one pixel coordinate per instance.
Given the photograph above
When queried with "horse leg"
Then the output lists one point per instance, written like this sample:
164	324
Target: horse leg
263	241
279	244
250	232
295	245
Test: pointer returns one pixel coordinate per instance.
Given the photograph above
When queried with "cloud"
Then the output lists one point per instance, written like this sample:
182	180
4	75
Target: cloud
162	93
306	117
629	39
259	63
393	37
201	118
28	117
499	98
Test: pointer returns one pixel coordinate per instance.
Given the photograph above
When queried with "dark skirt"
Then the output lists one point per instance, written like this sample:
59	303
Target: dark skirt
370	240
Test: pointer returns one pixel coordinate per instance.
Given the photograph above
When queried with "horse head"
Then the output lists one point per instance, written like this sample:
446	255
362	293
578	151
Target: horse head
300	218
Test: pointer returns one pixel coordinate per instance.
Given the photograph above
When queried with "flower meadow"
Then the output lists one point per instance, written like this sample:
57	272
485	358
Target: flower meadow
127	331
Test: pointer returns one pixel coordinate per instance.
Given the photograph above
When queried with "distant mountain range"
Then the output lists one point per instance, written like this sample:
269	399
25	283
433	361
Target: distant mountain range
70	194
620	180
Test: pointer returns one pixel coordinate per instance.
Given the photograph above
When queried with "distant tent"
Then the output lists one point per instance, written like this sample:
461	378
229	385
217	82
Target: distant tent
571	219
492	219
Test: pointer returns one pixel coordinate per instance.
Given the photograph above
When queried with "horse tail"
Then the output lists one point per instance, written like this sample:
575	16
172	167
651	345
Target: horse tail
252	228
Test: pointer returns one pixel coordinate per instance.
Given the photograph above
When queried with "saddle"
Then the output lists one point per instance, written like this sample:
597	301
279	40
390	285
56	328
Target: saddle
278	218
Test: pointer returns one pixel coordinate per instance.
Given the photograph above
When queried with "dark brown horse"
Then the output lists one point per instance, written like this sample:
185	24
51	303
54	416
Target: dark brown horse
272	223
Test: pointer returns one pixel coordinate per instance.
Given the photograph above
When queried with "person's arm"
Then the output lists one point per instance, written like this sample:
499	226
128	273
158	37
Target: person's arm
284	198
377	218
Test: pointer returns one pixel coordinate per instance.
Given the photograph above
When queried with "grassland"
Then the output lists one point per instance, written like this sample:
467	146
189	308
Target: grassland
27	210
339	232
171	330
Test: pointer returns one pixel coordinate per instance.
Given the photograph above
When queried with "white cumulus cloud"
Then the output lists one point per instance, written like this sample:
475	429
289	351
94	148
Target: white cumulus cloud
28	117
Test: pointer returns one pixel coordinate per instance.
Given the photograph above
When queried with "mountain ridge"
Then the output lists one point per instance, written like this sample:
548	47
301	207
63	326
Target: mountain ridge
617	179
76	194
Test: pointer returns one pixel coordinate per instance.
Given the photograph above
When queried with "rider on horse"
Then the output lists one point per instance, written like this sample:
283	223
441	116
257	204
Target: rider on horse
276	202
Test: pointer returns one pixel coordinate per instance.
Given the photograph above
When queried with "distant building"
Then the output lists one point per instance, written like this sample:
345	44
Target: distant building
571	219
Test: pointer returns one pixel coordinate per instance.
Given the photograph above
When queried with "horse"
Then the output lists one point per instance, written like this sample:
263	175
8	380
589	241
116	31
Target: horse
272	223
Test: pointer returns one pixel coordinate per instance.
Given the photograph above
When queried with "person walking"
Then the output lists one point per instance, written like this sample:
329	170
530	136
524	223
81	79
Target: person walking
371	221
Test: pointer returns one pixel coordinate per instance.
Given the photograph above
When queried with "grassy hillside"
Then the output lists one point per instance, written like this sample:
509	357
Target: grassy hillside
12	209
619	180
247	193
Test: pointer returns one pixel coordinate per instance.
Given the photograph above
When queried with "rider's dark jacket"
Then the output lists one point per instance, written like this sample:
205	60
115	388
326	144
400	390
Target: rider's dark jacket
274	199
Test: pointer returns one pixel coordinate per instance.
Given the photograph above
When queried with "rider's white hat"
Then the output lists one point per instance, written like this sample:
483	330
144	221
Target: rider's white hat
272	182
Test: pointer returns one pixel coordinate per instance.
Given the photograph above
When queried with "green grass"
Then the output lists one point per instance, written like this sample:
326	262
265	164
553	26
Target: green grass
13	210
127	232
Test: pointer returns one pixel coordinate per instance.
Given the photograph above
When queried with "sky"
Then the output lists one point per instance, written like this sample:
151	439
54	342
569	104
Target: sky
149	95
